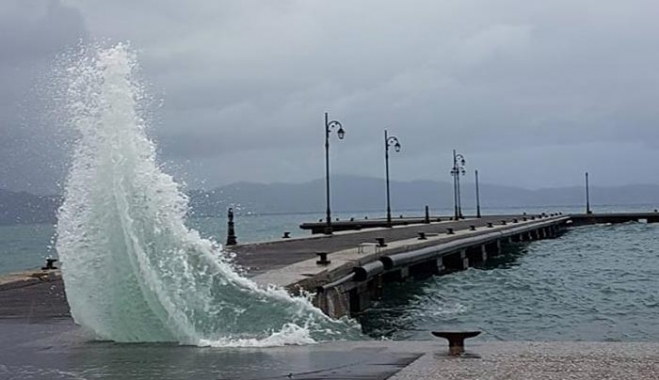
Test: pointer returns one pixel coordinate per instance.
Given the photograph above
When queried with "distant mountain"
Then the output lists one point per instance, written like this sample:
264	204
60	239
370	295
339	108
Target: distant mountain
349	193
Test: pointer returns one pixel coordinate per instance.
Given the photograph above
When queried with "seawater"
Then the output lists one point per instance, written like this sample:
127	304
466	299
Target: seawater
133	270
594	283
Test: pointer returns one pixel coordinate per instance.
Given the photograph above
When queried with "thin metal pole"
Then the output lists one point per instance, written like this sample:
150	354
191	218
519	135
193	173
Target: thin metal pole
478	198
459	199
386	161
587	196
455	186
328	220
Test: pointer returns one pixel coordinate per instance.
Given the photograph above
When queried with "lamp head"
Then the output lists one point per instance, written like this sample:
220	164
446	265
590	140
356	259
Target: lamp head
397	147
341	133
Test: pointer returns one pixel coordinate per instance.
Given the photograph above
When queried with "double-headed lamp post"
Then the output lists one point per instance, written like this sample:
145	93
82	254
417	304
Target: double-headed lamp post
388	142
329	125
457	170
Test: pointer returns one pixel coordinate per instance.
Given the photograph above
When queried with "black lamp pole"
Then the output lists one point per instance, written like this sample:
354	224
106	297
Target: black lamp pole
457	170
478	198
588	211
389	141
329	125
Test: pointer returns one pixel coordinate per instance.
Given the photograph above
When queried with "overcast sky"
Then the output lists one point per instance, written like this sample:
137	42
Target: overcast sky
533	93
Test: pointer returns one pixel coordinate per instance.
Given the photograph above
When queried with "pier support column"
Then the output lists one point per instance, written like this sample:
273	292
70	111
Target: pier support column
360	298
554	231
334	303
493	248
377	286
477	255
439	264
456	261
397	275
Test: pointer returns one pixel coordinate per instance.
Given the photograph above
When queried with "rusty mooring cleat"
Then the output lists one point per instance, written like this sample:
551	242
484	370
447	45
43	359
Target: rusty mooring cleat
456	340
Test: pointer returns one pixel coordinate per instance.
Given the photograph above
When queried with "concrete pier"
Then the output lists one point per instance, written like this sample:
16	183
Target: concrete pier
622	217
347	285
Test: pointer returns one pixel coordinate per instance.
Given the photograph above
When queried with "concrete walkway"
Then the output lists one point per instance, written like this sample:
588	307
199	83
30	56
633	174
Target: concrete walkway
262	257
540	360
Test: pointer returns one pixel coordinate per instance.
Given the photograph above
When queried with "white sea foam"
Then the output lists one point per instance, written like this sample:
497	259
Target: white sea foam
133	271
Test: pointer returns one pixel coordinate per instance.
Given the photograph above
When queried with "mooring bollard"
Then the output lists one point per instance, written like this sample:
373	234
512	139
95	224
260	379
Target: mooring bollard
422	236
472	228
490	225
323	258
380	242
503	222
231	232
49	264
449	231
514	220
287	235
524	219
456	340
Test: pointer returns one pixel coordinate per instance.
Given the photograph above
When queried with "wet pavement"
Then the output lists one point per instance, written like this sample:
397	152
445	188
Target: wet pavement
60	350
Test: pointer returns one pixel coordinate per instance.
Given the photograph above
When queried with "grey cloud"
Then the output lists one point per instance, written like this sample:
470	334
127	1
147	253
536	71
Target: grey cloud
32	35
245	84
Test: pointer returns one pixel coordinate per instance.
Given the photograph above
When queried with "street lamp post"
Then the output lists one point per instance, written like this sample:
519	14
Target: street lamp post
457	170
389	141
588	211
329	125
478	198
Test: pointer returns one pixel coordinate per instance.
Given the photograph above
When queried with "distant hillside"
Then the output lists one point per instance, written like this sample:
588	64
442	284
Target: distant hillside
368	194
349	194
